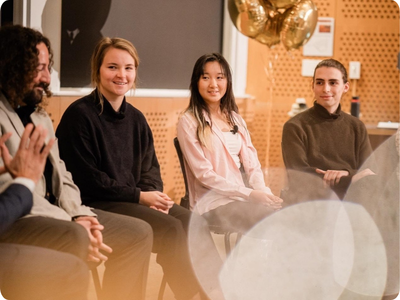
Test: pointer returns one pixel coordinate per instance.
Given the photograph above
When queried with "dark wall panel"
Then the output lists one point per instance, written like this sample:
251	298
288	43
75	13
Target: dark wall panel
169	36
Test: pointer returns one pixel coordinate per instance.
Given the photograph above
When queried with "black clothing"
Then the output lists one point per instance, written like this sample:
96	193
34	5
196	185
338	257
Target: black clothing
15	202
24	113
110	154
112	159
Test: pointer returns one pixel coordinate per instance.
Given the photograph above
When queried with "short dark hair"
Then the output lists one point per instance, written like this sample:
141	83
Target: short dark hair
19	60
332	63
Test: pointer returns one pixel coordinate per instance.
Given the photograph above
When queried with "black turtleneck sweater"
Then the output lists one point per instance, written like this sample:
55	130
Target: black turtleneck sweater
110	154
24	113
316	138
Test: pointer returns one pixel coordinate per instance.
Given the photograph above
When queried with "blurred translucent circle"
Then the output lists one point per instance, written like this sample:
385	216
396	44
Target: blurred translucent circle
312	250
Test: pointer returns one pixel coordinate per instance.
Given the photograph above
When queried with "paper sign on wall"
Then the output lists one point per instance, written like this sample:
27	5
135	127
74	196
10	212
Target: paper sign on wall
321	42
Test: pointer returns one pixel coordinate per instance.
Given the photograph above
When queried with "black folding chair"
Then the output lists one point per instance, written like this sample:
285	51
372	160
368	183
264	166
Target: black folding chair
185	201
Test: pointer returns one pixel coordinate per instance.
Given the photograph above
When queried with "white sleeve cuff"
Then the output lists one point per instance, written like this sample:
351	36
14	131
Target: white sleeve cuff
29	183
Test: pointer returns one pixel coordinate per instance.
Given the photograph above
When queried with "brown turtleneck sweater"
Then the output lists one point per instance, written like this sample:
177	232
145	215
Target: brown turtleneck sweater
316	138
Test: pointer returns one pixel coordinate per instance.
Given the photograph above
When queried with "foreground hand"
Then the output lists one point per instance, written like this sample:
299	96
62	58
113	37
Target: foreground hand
269	200
156	199
332	177
30	159
93	227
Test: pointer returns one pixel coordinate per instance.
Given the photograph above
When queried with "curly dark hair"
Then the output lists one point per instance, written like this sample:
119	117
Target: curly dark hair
19	61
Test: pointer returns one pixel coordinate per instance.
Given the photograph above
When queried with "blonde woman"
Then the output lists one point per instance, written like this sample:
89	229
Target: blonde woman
108	147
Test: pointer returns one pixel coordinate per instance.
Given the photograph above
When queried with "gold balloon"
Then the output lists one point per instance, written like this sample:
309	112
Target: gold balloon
270	35
282	3
298	24
248	16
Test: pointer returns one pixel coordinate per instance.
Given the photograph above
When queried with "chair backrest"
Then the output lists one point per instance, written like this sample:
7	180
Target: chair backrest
185	199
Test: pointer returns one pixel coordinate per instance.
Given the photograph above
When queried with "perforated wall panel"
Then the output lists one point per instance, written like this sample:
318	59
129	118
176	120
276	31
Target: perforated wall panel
162	116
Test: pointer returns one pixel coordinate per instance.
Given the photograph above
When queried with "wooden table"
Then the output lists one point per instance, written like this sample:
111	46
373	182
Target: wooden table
378	135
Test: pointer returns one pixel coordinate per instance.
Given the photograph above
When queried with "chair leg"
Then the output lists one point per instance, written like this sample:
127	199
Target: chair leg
238	237
96	281
227	239
162	288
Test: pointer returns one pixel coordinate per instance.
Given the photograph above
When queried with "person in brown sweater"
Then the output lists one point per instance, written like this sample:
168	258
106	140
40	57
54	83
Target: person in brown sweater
324	141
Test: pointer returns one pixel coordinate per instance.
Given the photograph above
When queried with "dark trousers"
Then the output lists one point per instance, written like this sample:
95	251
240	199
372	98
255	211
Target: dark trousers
170	243
33	273
131	240
238	216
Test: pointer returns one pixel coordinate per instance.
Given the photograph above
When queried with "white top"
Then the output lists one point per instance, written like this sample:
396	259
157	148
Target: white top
234	144
213	177
26	182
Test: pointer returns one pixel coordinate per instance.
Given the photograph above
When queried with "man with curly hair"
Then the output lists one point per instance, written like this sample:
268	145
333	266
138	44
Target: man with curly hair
58	220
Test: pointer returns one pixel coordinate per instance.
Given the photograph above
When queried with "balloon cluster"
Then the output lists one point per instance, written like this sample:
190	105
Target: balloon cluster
291	22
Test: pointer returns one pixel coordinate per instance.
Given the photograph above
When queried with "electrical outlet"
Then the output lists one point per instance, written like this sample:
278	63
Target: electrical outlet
354	70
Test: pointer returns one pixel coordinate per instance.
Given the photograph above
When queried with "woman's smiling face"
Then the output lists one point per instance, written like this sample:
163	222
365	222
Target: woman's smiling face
212	84
117	74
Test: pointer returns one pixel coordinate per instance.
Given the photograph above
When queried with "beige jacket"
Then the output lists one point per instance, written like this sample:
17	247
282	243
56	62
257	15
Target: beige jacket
68	200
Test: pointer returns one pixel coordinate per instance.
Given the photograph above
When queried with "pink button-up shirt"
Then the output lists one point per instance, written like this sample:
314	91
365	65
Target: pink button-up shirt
213	177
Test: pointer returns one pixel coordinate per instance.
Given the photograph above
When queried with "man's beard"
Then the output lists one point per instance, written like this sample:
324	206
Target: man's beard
35	96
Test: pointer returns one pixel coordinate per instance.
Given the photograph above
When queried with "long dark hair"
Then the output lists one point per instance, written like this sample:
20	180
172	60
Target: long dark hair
197	105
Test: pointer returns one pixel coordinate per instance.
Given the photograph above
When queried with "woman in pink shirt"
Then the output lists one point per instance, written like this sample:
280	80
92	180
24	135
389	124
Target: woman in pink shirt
225	180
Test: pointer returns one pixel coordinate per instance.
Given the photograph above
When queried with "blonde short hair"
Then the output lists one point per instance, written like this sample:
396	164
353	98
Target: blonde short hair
98	56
